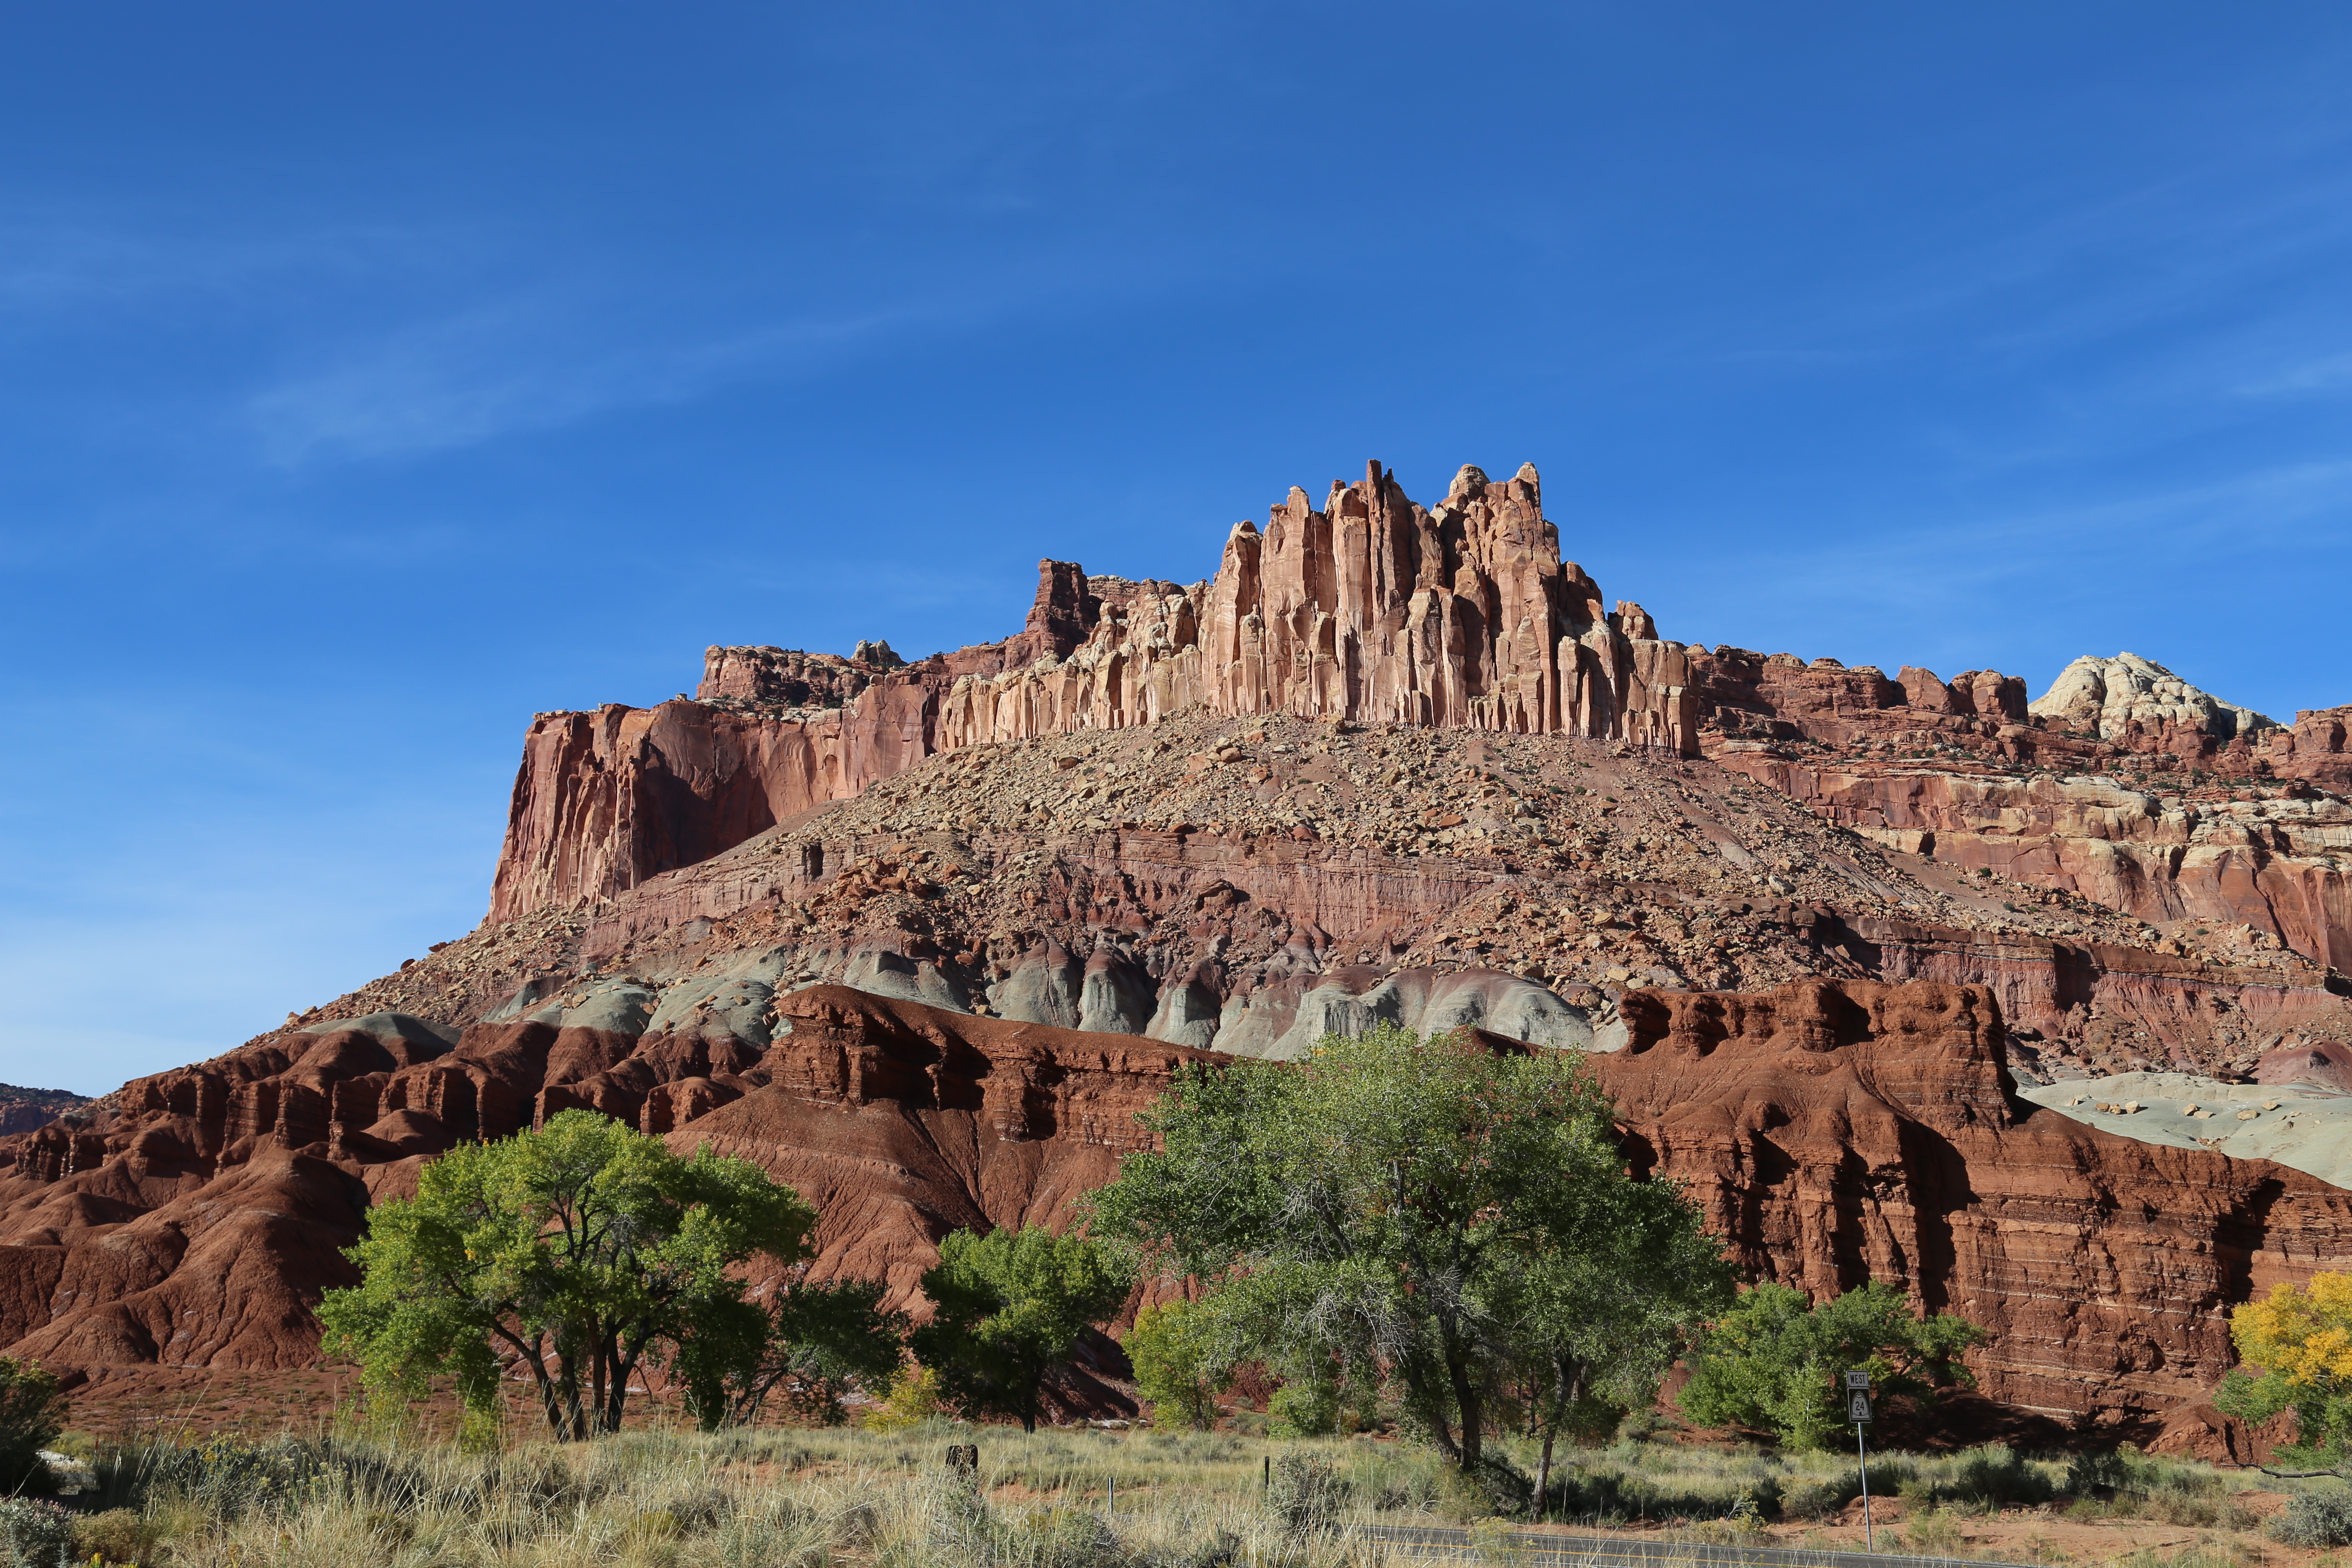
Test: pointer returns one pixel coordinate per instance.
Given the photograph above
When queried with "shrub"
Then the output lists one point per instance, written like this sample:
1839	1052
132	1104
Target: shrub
227	1476
1996	1476
914	1398
2314	1519
1771	1365
1177	1369
118	1535
1304	1493
1307	1408
35	1534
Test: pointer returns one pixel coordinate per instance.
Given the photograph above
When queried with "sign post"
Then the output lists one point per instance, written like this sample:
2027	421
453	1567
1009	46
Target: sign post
1857	1406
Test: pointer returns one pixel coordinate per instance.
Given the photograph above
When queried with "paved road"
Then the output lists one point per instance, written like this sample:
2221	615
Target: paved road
1442	1544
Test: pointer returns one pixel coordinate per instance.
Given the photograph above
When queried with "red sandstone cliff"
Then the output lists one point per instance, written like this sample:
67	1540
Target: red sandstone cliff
1835	1133
1370	609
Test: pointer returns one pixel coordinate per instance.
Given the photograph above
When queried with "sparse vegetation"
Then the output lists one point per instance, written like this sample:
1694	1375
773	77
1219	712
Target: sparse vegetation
861	1497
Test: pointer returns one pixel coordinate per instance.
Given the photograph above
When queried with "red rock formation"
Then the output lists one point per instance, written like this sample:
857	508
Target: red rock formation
197	1224
2273	864
1836	1132
1373	609
1842	1132
23	1110
903	1122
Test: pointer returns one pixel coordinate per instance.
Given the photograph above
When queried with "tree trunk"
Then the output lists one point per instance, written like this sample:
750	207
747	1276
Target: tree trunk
1543	1474
1465	1399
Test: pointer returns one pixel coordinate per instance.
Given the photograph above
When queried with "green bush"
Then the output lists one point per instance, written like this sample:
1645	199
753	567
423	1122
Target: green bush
1996	1476
1177	1368
2314	1519
1771	1364
1308	1408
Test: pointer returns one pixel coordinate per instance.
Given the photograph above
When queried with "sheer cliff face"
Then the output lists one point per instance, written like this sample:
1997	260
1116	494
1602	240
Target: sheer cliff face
1371	609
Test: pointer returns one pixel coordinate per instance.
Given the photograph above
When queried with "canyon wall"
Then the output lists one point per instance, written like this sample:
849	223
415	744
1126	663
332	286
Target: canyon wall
2122	783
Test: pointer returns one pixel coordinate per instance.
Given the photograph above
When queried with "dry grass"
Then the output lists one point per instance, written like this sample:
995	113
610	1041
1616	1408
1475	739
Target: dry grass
797	1497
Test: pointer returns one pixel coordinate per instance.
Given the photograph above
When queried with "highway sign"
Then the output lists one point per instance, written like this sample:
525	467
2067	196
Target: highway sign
1858	1378
1858	1407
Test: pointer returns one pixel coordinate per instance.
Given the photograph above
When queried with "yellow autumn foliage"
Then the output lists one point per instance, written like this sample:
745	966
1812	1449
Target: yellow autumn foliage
2302	1335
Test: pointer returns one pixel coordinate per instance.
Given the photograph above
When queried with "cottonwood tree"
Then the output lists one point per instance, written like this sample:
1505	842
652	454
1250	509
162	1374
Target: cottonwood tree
1415	1210
2300	1341
805	1343
1012	1305
1772	1363
575	1253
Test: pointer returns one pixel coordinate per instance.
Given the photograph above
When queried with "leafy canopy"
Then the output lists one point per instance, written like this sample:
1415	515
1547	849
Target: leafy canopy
1774	1363
2301	1340
1419	1214
1012	1305
1174	1351
807	1343
574	1252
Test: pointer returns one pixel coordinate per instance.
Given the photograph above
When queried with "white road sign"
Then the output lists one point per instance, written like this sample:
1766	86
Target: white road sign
1858	1378
1858	1407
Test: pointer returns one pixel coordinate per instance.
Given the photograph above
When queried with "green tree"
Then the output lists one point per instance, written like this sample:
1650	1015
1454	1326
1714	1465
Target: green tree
32	1414
1773	1364
807	1342
574	1252
1589	1335
1372	1213
1012	1305
1173	1349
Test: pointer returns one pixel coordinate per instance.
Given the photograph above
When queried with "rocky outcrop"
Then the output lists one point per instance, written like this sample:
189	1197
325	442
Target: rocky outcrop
197	1223
2280	865
1371	609
2139	704
2122	783
1841	1132
23	1110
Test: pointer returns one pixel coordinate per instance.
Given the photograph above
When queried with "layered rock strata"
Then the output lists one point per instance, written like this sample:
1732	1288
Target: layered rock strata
1834	1132
197	1223
1370	609
1842	1132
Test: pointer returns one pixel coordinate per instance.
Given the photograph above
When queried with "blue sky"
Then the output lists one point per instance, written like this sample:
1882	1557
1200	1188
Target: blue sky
372	377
